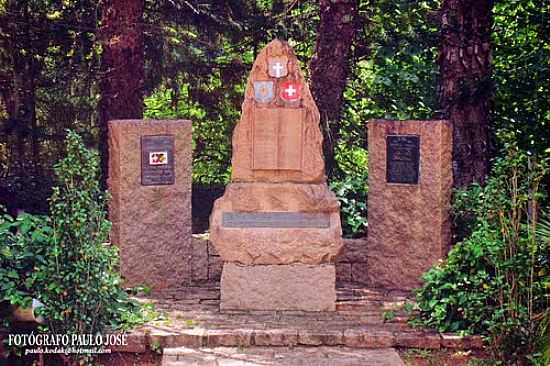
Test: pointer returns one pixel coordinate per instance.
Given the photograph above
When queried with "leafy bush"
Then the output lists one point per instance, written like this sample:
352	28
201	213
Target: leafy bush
352	191
17	258
78	279
64	260
495	282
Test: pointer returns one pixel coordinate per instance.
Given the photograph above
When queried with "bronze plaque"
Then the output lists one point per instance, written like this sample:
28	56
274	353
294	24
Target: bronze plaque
157	160
276	220
402	159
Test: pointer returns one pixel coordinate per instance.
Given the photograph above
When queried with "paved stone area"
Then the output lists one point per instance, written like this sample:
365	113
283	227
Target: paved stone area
280	356
364	319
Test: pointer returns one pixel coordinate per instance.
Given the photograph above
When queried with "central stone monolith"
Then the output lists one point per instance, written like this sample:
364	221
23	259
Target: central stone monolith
277	226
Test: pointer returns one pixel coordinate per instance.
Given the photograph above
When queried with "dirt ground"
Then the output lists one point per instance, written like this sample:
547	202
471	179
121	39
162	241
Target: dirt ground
419	357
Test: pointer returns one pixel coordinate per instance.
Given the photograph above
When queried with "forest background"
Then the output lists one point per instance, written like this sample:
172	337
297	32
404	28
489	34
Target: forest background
74	64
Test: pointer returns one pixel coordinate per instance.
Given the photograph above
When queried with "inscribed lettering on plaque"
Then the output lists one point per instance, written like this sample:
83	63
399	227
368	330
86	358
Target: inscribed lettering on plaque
402	159
277	138
157	160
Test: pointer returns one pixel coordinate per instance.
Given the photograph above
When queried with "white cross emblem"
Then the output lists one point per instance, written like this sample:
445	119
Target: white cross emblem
290	90
278	68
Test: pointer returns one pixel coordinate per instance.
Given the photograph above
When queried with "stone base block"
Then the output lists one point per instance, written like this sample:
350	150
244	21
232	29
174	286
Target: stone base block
278	287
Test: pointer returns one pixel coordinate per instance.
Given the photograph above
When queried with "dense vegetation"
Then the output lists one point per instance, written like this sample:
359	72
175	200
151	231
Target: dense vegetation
196	58
495	282
64	259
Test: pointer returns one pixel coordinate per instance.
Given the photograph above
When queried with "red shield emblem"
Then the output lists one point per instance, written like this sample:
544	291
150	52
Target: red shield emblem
290	90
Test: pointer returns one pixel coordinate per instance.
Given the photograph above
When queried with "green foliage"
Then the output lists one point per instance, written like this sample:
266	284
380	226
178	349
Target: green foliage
17	258
521	73
495	282
64	260
78	279
351	191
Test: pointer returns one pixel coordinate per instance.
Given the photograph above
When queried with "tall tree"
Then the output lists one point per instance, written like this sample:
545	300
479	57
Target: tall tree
122	69
465	84
329	68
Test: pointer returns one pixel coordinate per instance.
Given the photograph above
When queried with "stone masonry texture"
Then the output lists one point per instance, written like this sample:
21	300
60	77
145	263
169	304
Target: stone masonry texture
409	225
277	168
351	265
151	224
281	287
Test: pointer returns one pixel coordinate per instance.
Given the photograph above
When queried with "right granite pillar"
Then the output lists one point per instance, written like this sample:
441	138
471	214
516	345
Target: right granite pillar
410	182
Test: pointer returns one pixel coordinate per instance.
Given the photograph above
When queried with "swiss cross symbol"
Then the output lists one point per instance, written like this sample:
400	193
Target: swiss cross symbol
290	90
158	158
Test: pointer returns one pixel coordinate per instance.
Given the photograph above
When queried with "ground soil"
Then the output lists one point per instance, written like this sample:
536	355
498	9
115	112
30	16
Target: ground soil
418	357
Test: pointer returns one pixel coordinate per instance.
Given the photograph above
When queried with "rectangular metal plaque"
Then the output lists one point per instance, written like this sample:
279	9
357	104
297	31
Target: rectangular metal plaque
276	220
402	159
157	160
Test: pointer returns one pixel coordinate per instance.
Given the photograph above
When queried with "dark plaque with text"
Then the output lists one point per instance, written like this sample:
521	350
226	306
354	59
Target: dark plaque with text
157	160
402	160
277	220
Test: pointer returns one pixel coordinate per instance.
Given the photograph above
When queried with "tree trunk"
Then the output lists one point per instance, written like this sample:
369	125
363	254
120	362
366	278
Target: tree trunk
465	87
329	69
121	82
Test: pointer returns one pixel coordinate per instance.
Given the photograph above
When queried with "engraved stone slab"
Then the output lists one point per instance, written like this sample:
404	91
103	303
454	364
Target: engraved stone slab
275	220
157	160
402	159
277	139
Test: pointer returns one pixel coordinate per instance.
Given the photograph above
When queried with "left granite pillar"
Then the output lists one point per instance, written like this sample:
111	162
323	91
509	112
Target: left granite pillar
150	208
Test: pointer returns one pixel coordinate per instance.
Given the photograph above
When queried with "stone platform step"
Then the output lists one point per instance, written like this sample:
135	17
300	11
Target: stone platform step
280	356
192	319
358	337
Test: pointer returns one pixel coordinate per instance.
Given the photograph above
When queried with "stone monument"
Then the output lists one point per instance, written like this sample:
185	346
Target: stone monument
277	226
150	184
410	181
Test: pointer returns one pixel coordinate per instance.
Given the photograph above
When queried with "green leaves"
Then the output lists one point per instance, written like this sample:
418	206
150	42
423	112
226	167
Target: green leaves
493	282
351	191
62	259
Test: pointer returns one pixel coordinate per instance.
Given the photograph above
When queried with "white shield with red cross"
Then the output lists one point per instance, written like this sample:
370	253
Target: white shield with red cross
158	158
290	90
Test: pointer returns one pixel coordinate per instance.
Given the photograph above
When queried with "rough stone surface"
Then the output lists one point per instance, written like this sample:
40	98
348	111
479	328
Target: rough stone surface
281	287
354	251
192	318
343	272
281	356
414	340
277	166
199	261
409	226
359	273
151	224
356	256
277	245
276	337
312	164
363	338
